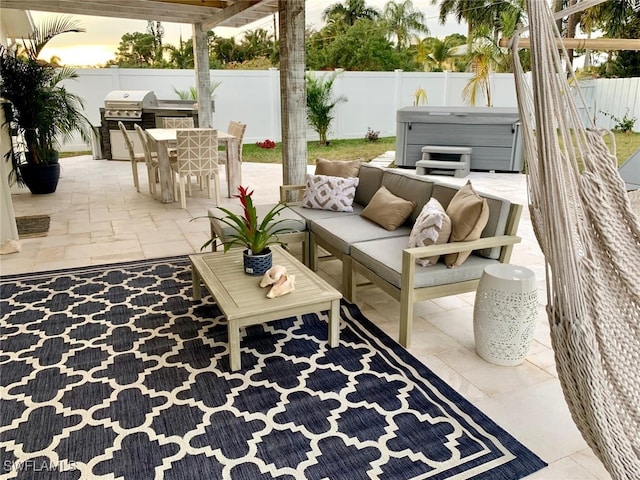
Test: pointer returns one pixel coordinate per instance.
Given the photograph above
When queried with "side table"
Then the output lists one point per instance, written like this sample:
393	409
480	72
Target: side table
505	313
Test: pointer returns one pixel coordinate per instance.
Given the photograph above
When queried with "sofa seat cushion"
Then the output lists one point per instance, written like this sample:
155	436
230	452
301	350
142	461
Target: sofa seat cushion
384	258
311	214
291	219
342	232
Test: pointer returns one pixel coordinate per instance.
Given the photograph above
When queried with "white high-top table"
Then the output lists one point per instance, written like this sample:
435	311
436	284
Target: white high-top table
165	138
244	303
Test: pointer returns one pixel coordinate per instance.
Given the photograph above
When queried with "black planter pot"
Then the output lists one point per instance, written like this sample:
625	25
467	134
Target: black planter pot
41	179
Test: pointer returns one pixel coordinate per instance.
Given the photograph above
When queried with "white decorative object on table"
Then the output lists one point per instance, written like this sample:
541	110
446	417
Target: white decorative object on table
280	281
505	313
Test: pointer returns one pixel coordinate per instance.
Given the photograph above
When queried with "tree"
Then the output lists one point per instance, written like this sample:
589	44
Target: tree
363	47
257	44
404	22
467	10
156	30
136	50
181	56
482	62
320	103
617	20
438	55
350	12
482	13
226	50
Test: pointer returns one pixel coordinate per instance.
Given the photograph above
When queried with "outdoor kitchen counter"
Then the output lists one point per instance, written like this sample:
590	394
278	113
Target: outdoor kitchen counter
164	138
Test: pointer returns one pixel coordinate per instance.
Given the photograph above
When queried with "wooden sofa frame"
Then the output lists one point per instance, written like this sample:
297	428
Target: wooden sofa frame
407	294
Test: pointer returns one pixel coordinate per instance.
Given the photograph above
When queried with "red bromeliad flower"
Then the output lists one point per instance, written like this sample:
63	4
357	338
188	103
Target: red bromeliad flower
247	204
248	231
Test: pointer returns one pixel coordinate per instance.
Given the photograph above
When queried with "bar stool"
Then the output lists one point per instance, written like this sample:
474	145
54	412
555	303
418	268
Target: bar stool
505	313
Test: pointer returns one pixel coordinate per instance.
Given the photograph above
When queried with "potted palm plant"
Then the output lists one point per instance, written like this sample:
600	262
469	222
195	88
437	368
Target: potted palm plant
39	110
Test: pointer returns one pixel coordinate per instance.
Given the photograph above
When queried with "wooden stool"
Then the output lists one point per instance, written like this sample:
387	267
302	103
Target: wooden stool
460	167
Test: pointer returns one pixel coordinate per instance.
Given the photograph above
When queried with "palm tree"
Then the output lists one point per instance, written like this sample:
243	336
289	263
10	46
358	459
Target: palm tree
320	103
437	55
256	43
479	13
468	10
404	22
349	12
181	56
40	108
482	63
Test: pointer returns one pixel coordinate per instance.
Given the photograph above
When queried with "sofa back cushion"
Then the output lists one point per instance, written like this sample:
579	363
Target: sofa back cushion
330	193
338	168
498	214
370	181
388	210
410	187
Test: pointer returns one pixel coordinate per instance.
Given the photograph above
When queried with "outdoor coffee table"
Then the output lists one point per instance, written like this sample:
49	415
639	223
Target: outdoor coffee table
244	303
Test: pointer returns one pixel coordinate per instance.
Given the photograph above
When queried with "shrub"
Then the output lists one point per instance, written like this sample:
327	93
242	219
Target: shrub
372	135
625	124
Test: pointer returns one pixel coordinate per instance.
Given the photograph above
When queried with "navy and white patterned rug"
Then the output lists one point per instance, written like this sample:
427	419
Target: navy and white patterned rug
114	372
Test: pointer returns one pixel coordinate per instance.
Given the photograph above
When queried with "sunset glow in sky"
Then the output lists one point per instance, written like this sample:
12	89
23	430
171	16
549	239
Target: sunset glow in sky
100	41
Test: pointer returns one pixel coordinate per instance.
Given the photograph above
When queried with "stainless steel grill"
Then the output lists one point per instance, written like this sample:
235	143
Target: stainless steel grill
128	104
136	107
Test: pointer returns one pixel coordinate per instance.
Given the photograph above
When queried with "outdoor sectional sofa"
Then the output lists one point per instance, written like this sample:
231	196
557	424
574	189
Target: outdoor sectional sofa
383	256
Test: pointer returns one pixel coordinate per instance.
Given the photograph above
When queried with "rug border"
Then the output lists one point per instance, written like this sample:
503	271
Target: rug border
490	425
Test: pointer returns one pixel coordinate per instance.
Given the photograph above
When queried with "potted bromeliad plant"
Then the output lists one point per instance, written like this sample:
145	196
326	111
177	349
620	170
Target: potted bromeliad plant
38	108
252	233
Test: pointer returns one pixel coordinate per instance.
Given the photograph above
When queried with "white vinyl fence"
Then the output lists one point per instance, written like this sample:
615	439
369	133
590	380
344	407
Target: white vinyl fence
373	98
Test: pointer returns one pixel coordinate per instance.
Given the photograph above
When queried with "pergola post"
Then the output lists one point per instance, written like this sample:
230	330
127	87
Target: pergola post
293	93
203	75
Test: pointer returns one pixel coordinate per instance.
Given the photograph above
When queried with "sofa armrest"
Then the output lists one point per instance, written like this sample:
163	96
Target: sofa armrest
292	194
454	247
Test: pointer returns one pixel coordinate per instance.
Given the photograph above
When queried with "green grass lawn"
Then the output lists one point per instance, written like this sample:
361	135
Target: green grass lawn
336	150
626	144
361	148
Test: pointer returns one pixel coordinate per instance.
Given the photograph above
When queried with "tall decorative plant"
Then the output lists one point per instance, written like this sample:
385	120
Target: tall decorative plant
40	111
320	103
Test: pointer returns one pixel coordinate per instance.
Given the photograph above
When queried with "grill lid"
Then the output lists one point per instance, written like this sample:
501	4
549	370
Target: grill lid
128	104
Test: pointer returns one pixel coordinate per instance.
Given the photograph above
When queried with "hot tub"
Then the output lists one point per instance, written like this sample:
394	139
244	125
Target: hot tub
492	133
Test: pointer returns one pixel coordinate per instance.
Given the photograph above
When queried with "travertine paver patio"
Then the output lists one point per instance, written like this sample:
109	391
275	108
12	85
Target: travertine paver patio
98	217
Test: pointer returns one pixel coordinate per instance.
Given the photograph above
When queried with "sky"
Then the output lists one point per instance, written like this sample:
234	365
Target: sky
100	41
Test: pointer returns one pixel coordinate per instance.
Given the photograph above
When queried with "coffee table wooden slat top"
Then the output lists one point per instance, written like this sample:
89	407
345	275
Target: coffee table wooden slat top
243	302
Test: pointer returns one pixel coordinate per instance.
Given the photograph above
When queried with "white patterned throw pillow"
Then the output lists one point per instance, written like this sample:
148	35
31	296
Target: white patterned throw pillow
330	193
432	227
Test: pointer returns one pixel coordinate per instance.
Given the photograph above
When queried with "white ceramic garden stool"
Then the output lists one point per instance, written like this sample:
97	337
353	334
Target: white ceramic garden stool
505	312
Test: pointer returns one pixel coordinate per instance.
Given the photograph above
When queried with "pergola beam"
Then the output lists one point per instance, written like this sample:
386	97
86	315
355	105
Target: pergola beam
584	43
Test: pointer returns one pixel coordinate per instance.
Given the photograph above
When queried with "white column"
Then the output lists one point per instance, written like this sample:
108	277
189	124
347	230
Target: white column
203	76
293	91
